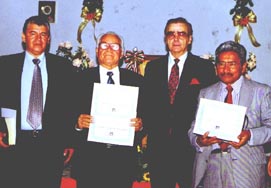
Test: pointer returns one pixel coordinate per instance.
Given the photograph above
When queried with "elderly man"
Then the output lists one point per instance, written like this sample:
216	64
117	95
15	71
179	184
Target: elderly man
235	164
99	164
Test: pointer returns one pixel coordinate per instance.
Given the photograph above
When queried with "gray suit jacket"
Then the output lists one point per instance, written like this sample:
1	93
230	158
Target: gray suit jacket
248	162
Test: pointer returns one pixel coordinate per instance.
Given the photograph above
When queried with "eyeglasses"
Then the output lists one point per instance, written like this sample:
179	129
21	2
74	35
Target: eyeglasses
179	34
231	64
113	46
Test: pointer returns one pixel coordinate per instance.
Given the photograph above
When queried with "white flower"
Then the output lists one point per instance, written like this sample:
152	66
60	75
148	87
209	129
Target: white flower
251	62
61	44
76	62
80	58
208	56
67	44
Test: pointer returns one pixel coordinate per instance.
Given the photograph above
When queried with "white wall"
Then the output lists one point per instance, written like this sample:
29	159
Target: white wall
141	23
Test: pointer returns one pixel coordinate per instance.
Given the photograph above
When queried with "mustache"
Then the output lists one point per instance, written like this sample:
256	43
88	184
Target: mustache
226	74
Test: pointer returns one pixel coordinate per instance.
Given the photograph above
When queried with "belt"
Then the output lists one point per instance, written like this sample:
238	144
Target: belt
218	151
31	133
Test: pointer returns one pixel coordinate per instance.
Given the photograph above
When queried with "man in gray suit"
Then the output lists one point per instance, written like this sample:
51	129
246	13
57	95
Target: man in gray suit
234	164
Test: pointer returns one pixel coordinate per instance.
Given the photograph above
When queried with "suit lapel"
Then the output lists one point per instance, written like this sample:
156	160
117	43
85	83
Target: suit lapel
187	72
246	94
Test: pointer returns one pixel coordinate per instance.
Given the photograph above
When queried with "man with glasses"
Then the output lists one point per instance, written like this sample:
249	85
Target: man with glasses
243	163
171	87
99	164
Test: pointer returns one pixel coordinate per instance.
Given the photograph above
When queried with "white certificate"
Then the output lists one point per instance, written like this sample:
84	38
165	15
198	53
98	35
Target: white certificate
10	118
112	107
225	121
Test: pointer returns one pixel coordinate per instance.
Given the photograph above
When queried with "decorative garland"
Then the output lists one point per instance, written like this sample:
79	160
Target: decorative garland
242	17
92	11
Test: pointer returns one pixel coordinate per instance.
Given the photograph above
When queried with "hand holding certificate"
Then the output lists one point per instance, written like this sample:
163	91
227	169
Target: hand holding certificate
225	121
112	114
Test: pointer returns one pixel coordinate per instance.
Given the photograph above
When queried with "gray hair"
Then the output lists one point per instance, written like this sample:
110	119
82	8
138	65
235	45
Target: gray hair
111	33
232	46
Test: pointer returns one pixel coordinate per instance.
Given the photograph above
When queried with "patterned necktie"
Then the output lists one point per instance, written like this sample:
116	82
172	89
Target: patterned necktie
228	99
173	81
35	108
110	79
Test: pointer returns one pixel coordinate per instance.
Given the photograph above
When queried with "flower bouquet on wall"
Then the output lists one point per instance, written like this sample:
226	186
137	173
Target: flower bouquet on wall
80	58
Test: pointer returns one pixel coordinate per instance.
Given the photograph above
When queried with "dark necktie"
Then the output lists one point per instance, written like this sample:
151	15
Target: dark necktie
35	108
173	81
228	99
110	79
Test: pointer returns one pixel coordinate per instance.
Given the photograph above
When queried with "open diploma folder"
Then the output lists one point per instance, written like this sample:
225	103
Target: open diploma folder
112	107
225	121
10	118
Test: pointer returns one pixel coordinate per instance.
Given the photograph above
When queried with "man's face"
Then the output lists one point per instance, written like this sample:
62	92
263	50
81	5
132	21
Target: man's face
178	38
36	39
229	68
109	51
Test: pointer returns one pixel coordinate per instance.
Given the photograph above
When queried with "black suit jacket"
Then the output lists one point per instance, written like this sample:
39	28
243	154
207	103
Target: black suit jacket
197	73
85	91
167	125
60	80
56	131
120	160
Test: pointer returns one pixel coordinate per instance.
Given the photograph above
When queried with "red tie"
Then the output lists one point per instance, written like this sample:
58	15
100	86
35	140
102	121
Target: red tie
228	99
173	80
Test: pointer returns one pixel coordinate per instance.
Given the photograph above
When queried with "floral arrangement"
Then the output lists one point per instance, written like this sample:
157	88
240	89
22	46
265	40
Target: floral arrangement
208	56
92	11
251	64
80	59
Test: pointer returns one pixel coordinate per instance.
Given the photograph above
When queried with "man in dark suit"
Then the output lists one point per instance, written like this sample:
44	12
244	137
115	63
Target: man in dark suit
36	159
98	164
169	109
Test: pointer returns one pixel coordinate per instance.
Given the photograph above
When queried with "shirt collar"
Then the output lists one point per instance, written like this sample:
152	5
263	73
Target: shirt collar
182	58
236	85
104	77
30	57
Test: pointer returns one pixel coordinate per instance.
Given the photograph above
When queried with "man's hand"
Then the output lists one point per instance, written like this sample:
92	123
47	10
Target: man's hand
137	123
243	139
84	121
269	166
205	140
2	144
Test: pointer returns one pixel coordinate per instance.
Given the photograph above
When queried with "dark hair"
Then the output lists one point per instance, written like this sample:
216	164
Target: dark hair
40	21
232	46
179	20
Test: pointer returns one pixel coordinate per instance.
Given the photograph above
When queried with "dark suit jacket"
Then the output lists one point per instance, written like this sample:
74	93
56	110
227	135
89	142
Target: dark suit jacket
85	89
56	130
167	125
119	161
